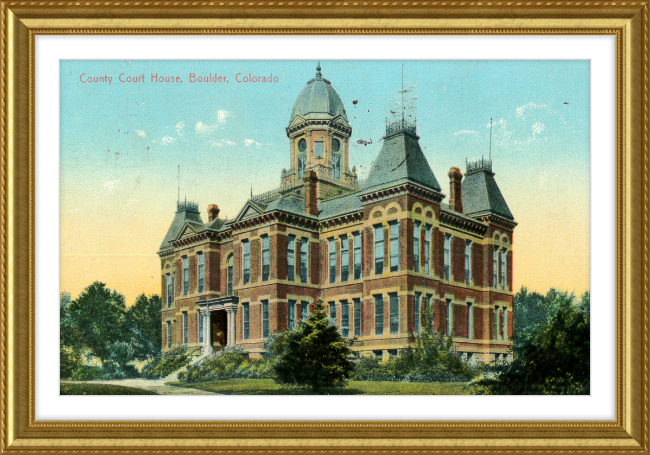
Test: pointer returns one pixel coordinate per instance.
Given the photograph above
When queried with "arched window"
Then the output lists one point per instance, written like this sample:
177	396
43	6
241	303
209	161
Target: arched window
229	284
336	167
302	162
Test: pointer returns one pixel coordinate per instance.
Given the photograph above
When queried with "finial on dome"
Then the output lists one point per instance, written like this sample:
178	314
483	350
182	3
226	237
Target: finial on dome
318	73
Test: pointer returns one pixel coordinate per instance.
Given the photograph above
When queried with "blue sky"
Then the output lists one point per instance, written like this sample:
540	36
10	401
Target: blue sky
121	143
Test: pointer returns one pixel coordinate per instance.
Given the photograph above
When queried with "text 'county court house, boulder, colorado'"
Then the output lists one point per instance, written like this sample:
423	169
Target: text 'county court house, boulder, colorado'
378	254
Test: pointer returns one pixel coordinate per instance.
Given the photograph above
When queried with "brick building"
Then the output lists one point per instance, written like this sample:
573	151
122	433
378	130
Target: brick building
379	255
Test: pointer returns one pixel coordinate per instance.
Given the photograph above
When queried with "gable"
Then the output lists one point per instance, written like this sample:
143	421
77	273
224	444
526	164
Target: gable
249	210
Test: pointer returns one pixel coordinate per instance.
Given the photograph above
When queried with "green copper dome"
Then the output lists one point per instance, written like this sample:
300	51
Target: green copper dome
318	101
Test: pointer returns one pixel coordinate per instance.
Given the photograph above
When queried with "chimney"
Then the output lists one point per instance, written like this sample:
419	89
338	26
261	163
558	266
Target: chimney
213	212
310	193
456	193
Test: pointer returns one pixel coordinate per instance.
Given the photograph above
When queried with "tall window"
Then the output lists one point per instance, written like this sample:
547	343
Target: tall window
416	313
427	248
496	322
470	321
170	290
302	161
450	318
496	266
504	314
345	258
379	249
247	262
394	247
427	308
416	246
291	260
304	310
394	313
186	276
502	324
247	320
503	268
265	258
345	319
304	259
357	317
318	149
357	255
447	256
379	315
169	334
184	327
201	271
336	167
333	313
229	284
468	261
332	251
200	318
292	314
265	318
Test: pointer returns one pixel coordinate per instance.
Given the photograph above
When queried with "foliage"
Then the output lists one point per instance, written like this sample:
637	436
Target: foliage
143	322
229	364
165	364
87	373
551	357
70	360
98	316
316	355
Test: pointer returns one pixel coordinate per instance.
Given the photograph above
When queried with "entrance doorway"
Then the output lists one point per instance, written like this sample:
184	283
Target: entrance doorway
219	323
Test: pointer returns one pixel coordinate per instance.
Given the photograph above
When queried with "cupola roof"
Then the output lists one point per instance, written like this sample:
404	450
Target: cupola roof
319	101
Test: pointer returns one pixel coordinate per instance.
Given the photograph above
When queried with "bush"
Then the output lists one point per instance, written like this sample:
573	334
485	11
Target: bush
70	361
230	364
165	364
87	373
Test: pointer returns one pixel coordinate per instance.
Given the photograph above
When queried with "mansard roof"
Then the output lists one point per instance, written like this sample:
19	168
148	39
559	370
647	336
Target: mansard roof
481	194
187	212
342	205
401	160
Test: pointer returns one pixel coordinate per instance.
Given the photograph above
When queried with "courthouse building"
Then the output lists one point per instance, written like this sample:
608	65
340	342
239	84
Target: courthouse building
379	254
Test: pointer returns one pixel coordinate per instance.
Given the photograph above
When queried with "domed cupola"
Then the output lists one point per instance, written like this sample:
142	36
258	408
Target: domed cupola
319	133
318	101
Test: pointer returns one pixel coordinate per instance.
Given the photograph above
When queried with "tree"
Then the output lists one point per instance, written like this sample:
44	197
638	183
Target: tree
98	315
144	325
316	355
555	359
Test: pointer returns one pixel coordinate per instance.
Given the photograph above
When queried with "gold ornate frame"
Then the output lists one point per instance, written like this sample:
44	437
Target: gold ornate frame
23	20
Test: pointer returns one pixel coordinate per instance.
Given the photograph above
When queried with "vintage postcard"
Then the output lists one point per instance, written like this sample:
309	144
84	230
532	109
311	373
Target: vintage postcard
414	227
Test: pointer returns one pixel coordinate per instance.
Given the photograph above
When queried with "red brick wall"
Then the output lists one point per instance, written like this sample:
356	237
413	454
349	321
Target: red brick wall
194	264
491	321
179	277
477	264
479	322
458	259
438	252
368	320
324	271
281	245
256	260
460	320
406	244
213	271
368	251
315	263
509	270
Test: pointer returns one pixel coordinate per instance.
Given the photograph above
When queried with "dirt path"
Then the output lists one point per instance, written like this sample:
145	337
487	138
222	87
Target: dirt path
152	385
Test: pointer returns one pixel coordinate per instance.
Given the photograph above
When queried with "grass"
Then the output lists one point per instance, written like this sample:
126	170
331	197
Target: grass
269	387
101	389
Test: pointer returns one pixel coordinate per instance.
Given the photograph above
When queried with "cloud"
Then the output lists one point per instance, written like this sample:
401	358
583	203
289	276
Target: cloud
466	132
179	129
111	185
203	128
249	142
167	140
521	110
538	128
222	143
140	133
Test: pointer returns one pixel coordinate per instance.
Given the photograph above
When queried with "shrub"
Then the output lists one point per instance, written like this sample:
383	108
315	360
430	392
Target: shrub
87	373
165	364
230	364
70	361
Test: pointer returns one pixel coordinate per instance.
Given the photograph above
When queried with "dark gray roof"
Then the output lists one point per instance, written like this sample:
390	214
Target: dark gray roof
401	159
180	218
319	100
481	195
291	203
339	206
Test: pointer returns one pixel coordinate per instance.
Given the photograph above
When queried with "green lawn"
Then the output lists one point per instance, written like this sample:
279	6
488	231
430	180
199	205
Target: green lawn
269	387
101	389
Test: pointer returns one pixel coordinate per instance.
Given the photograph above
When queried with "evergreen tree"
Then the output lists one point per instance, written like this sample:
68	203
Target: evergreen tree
143	319
316	355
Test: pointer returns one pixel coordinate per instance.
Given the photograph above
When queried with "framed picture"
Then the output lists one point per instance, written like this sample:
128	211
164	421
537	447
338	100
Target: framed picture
267	209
